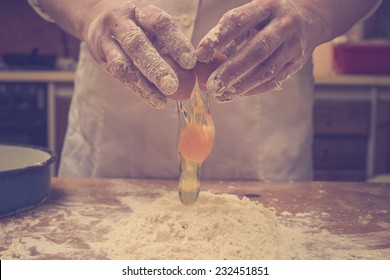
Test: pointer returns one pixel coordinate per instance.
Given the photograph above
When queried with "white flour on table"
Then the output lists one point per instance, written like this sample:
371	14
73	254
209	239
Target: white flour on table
225	227
218	226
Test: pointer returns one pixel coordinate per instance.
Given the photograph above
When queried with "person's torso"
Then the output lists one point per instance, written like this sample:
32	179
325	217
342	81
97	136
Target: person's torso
117	135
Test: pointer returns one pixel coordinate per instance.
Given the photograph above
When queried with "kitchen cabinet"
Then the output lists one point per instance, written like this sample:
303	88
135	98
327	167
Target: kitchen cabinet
351	127
341	137
382	153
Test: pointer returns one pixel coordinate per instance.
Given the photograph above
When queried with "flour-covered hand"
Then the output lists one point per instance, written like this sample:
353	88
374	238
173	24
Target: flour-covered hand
121	37
127	38
267	41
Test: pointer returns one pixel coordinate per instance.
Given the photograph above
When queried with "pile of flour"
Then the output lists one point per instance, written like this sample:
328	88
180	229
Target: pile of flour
216	227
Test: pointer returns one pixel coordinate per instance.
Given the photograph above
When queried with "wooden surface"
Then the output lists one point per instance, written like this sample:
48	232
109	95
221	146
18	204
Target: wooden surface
80	212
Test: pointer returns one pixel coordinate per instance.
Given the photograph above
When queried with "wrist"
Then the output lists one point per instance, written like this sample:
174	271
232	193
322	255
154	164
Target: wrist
317	26
328	19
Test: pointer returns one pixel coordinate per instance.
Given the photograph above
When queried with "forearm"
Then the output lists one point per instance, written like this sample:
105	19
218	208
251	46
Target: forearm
332	18
70	15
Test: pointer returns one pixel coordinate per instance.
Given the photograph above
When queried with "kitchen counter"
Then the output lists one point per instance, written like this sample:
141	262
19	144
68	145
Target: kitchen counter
80	213
37	76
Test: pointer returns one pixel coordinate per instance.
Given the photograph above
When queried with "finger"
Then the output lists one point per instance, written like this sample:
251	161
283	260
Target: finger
159	46
234	23
254	52
232	47
121	68
144	56
276	83
164	27
268	69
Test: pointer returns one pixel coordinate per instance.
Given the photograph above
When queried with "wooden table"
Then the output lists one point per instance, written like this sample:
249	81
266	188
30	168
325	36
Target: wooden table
80	212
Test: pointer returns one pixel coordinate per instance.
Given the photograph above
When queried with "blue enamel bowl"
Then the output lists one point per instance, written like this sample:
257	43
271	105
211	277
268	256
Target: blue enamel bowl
24	177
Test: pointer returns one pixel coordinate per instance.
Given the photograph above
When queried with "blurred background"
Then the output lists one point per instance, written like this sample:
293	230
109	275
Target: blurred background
22	31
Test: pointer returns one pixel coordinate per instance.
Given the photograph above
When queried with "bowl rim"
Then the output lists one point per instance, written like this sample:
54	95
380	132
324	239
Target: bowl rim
29	168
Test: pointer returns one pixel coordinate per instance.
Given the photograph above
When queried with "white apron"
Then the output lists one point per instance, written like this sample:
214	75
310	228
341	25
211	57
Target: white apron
114	134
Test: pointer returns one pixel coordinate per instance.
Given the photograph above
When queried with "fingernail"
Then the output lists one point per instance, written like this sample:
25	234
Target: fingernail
188	60
168	85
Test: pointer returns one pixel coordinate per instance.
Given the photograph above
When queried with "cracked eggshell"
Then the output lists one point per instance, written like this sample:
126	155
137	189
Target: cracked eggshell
186	80
203	70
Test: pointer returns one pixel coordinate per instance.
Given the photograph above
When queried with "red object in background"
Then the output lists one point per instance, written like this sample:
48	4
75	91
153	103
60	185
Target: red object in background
363	58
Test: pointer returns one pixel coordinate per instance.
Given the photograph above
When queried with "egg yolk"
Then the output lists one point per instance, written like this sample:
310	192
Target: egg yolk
197	137
196	142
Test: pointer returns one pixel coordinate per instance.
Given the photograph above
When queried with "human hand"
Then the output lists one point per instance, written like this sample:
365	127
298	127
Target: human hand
266	41
127	39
